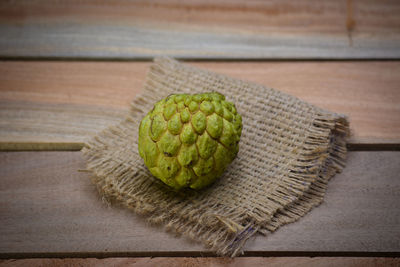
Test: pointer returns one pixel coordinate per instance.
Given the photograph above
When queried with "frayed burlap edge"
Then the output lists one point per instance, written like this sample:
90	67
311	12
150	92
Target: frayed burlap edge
321	156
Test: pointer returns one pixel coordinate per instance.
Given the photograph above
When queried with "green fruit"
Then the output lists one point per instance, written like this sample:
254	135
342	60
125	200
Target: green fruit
189	140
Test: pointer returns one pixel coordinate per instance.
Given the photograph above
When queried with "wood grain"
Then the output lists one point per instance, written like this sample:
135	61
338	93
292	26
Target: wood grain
200	29
208	262
49	208
57	105
53	106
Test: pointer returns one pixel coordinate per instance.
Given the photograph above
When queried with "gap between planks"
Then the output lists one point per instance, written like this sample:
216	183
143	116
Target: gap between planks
199	254
208	262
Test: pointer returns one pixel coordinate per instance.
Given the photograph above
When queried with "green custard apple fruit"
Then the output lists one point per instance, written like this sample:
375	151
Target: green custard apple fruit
189	140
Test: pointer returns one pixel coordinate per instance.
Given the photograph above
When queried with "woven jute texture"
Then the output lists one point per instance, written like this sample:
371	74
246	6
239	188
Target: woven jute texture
288	151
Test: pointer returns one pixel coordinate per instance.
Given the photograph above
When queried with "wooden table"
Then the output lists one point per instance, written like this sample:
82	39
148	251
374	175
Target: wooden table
69	70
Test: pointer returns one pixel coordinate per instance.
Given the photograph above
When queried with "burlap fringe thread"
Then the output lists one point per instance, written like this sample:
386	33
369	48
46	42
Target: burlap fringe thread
288	151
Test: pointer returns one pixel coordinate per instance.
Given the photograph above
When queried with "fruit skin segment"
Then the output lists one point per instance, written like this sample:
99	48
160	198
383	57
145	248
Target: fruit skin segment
187	141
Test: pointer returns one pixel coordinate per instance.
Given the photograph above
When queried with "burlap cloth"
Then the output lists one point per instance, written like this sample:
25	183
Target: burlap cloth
289	150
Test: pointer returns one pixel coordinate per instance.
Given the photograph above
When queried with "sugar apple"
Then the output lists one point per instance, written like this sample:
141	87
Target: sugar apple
189	140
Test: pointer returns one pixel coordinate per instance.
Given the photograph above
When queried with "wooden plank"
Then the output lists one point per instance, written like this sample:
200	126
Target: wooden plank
49	208
209	262
51	105
200	29
57	105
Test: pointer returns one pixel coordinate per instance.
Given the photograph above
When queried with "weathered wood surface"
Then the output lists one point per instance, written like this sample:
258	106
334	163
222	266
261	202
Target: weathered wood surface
200	29
57	105
50	208
50	105
208	262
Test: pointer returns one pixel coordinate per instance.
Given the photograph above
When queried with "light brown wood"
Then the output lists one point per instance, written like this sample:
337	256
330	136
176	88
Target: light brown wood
365	91
53	106
57	105
98	84
201	29
48	207
209	262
